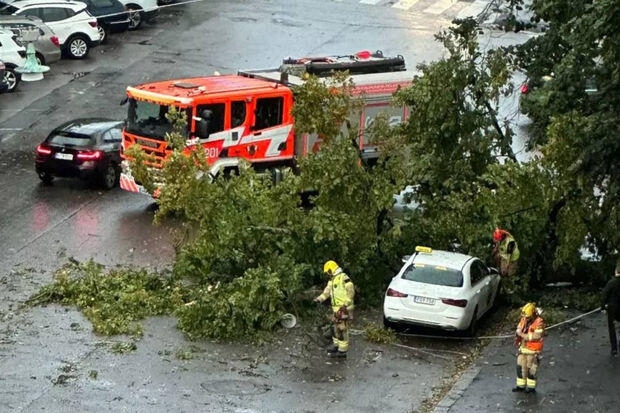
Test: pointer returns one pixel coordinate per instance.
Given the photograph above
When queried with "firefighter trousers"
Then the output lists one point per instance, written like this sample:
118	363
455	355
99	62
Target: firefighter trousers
527	367
611	326
341	335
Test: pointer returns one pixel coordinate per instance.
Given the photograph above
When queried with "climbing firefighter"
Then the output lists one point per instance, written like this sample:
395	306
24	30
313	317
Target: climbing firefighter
529	340
505	252
341	290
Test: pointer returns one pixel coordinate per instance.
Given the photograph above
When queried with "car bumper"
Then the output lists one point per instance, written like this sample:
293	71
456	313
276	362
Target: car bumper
453	319
84	170
52	56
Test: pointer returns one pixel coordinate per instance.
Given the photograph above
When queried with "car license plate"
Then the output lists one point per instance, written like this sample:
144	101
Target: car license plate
423	300
65	156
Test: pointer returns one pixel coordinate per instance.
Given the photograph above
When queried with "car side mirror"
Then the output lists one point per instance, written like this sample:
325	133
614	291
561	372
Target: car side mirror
406	258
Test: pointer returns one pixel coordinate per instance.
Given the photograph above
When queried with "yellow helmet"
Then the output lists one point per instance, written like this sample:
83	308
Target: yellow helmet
330	267
528	310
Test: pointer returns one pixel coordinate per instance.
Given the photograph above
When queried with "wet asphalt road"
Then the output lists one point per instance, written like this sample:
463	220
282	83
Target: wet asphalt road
576	375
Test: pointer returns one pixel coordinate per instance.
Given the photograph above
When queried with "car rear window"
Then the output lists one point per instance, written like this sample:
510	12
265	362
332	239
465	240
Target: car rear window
70	140
436	275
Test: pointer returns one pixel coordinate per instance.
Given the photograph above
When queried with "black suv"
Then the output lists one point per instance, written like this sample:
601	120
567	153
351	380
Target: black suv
88	148
111	16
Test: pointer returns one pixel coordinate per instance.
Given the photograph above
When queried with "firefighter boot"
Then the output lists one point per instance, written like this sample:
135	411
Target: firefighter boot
516	389
332	349
338	354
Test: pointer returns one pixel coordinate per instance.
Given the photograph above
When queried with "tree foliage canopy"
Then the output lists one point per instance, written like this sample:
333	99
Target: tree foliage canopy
574	103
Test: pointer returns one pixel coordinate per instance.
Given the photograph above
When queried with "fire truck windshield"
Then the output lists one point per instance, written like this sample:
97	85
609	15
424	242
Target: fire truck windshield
148	119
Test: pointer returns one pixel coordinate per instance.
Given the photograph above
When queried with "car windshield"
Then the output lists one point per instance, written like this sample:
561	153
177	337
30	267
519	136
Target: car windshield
61	139
148	119
433	274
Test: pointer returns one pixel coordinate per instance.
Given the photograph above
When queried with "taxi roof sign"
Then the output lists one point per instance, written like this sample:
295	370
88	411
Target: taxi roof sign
420	248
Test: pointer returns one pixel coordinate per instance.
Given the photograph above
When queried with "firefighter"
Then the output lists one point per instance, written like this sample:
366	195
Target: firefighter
341	291
529	340
611	303
505	252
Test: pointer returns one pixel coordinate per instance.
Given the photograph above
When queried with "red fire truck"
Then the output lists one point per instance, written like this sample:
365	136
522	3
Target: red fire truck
247	116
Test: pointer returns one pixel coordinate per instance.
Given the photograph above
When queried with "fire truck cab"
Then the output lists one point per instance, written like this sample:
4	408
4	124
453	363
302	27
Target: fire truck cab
220	111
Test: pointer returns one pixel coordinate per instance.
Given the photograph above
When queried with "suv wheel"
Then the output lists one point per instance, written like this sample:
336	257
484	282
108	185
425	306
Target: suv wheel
77	47
135	16
103	34
11	78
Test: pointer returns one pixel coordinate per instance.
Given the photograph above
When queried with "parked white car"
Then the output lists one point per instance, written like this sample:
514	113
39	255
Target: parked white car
140	11
13	55
76	28
47	45
440	289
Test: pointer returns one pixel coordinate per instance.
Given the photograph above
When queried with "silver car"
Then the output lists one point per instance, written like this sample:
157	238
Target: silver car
47	46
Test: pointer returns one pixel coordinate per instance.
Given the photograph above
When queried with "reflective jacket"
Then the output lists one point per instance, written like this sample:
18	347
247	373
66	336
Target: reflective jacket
505	247
341	291
533	343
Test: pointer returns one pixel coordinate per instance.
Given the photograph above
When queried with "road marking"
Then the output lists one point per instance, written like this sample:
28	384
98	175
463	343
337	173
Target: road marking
404	4
439	6
474	10
372	2
12	132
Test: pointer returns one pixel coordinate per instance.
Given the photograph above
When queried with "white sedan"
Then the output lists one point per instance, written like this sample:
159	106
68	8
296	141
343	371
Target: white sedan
441	289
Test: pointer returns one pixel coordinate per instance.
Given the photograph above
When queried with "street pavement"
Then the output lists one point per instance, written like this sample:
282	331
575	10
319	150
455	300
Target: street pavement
576	374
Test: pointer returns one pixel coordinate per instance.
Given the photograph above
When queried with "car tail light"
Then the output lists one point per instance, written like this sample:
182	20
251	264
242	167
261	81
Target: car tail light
55	40
42	150
456	303
393	293
89	155
93	24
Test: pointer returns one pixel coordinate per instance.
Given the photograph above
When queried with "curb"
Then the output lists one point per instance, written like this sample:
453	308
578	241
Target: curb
457	390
